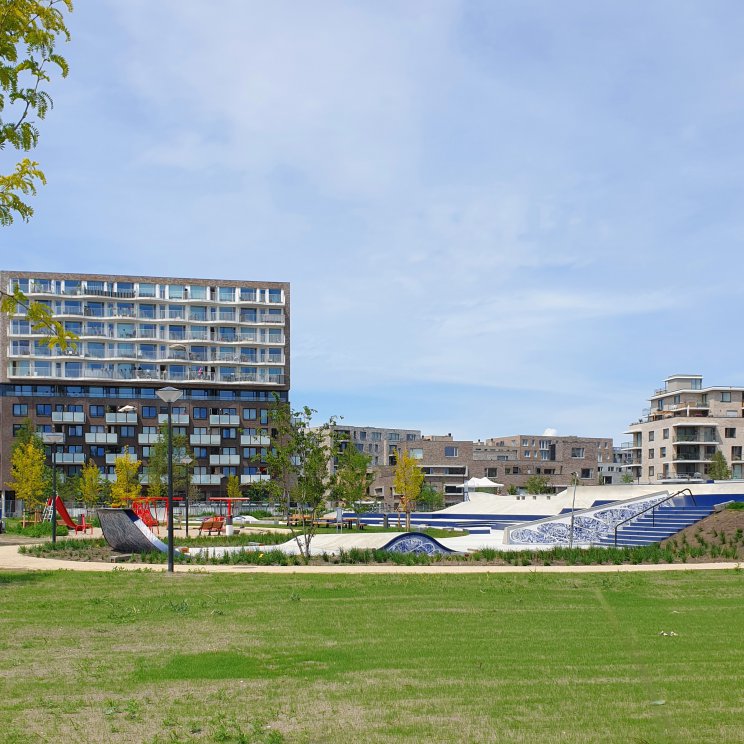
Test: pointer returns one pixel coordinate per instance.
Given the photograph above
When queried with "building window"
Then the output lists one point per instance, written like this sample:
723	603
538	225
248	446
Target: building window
676	399
229	433
729	433
416	454
450	451
127	431
20	409
577	452
250	414
650	454
96	411
651	471
586	473
665	433
492	472
75	431
736	453
662	451
651	436
725	397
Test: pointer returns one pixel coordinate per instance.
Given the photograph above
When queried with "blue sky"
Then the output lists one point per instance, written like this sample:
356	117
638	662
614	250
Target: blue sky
497	217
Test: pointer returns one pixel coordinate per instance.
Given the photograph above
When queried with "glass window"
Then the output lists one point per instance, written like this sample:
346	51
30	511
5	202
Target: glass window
247	294
175	292
43	409
665	433
730	433
198	292
416	454
227	294
577	452
726	397
249	414
96	411
20	409
450	451
199	413
146	290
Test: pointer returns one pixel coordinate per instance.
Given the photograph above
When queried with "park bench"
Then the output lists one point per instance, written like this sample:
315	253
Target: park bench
212	524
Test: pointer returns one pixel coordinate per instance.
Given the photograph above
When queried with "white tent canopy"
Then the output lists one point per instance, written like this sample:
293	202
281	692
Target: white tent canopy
482	483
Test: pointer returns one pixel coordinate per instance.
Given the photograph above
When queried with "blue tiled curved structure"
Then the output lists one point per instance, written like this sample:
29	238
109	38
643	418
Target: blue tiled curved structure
125	532
416	542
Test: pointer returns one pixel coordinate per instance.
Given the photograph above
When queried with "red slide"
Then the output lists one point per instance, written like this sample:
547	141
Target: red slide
64	515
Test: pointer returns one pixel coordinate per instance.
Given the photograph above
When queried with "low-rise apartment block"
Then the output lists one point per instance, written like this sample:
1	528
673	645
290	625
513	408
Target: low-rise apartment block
511	461
677	436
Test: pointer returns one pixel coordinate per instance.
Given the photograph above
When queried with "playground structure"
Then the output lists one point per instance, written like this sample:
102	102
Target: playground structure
64	515
146	508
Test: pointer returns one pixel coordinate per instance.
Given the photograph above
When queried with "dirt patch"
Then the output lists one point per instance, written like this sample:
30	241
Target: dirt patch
723	528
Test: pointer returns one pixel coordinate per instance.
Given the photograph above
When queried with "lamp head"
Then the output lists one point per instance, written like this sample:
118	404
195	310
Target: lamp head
169	394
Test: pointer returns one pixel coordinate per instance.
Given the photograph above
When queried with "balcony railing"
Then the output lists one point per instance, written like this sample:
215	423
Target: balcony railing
187	376
224	459
247	440
201	479
69	458
101	438
224	420
68	417
256	478
205	440
128	417
178	419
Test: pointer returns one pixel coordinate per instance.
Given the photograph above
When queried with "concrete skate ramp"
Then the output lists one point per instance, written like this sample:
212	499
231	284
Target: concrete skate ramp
125	532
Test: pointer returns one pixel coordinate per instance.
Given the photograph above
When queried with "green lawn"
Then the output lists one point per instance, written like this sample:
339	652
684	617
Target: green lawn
147	657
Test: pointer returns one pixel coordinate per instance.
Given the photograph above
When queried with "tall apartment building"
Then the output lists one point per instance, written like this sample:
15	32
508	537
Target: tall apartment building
686	423
512	460
225	343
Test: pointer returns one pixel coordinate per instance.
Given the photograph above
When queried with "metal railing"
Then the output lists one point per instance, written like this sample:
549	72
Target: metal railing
652	508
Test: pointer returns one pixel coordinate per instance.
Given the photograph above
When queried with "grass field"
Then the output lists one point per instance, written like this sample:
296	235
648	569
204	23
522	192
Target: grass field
147	657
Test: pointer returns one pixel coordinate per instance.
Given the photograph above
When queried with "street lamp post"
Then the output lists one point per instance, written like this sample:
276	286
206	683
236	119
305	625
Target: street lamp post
170	395
575	477
186	460
54	438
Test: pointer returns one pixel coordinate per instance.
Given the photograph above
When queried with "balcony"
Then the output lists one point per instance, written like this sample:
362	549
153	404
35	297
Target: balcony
248	440
696	439
200	479
69	458
178	419
121	418
224	420
102	438
246	479
112	457
68	417
148	438
205	440
224	459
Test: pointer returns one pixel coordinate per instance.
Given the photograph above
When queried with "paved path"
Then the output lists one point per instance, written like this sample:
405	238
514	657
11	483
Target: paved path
11	559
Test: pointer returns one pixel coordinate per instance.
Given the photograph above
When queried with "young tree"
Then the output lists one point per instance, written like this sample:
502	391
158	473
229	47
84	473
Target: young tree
39	316
718	468
90	485
29	30
350	483
233	487
407	483
127	486
280	459
28	472
298	466
157	464
537	484
430	499
69	488
627	478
